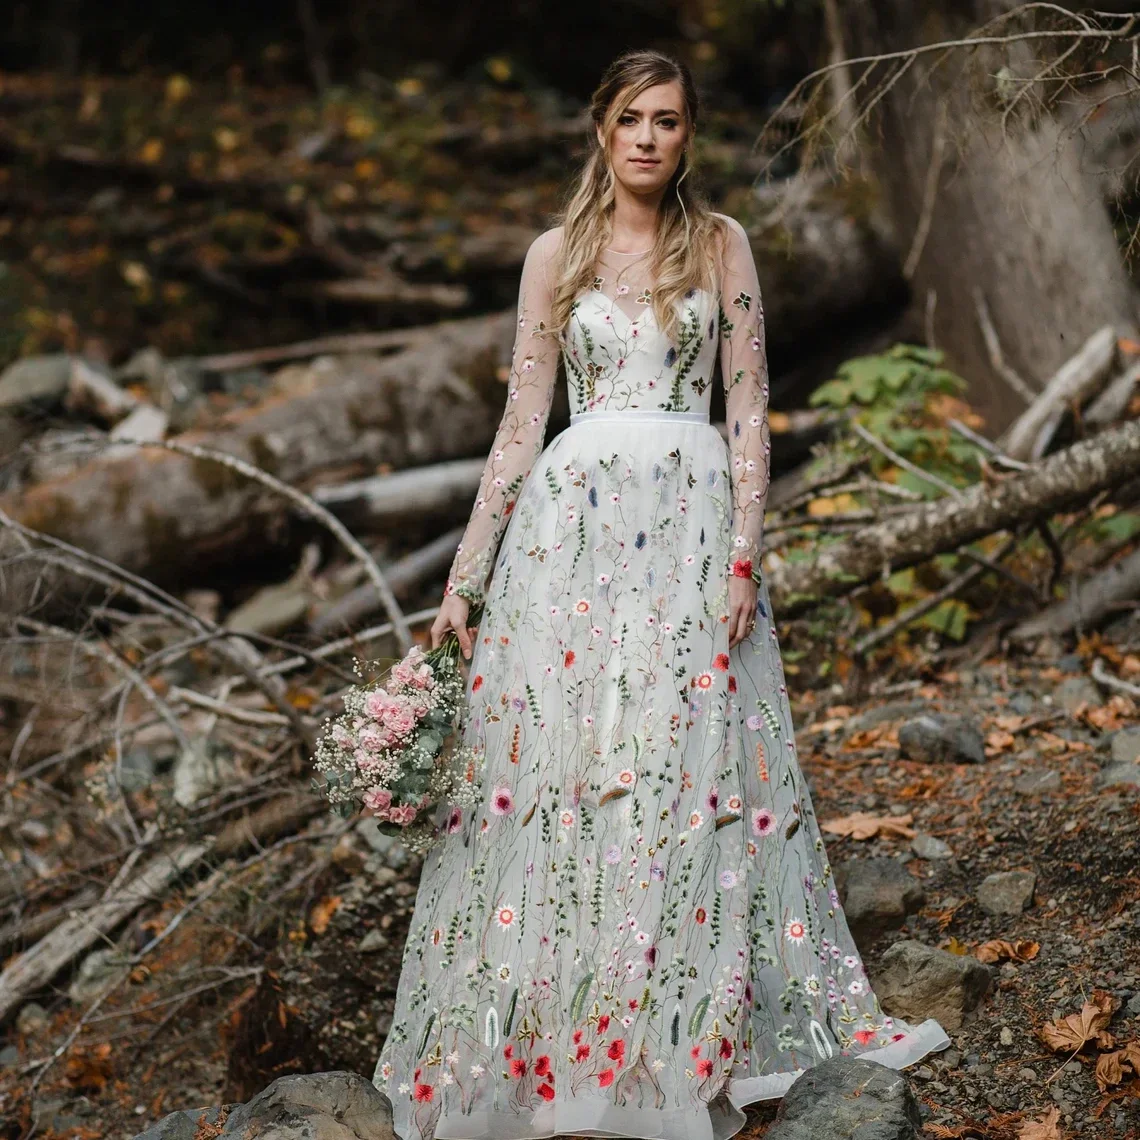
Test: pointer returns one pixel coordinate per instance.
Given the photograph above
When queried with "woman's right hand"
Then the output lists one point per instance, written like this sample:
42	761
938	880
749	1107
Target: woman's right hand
452	616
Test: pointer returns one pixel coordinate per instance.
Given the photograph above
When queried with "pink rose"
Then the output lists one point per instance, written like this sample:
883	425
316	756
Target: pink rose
403	814
377	799
376	704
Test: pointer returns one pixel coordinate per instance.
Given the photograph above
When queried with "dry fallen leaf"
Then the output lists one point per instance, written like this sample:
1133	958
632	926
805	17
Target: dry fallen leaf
1048	1128
863	825
1110	1067
1072	1033
956	947
322	912
999	950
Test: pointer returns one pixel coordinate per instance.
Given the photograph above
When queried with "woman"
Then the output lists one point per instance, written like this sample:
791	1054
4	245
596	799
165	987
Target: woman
636	931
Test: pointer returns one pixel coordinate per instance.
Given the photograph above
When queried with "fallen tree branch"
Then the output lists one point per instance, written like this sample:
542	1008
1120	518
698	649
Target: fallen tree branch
1092	601
1064	479
1079	378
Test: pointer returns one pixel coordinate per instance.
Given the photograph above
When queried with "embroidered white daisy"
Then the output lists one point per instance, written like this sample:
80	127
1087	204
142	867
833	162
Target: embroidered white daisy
504	976
856	987
582	606
695	820
795	931
477	1070
505	916
566	818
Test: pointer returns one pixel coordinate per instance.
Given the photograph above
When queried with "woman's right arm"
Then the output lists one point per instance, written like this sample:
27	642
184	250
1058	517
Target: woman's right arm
518	442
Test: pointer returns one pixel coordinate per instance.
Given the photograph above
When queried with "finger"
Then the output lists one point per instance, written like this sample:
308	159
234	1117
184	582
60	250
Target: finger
464	635
436	633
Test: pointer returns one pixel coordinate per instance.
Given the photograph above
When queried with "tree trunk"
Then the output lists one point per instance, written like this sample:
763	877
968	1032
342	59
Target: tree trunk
168	515
1015	213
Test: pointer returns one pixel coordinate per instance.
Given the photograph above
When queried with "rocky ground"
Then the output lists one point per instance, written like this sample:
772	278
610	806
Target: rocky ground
1021	784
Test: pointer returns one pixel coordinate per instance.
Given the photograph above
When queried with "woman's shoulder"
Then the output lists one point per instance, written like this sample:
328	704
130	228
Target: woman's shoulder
730	226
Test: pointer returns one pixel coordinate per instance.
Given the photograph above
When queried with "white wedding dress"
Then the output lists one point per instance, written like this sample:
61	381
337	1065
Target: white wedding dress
640	914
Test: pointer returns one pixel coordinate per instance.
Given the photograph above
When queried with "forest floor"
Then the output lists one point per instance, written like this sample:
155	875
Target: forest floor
1041	801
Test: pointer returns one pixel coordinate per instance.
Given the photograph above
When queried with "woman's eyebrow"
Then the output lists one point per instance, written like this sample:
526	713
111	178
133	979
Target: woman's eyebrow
661	111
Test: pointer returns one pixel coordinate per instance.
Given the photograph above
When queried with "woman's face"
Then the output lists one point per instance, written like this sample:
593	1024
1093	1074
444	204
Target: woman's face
647	141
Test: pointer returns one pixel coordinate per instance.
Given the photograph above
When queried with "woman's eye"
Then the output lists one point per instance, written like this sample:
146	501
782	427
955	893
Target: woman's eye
670	123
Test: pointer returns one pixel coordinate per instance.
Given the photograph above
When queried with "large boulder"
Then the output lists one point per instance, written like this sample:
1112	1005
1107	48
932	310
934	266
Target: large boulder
314	1106
915	981
848	1099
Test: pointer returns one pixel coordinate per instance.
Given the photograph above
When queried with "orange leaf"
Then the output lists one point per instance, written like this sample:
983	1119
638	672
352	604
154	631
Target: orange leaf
1072	1033
320	915
863	825
999	950
1048	1128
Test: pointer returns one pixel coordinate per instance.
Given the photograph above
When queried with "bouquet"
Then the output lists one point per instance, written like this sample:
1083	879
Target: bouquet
387	752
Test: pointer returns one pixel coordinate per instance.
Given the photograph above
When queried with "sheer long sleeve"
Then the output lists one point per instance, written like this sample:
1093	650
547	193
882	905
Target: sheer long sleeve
744	368
519	438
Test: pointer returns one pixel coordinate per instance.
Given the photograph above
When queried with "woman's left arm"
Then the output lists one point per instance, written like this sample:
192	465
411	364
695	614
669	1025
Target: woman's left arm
744	370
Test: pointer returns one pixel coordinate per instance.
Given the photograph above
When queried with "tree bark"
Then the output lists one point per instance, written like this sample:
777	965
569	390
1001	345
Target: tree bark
1018	215
1064	479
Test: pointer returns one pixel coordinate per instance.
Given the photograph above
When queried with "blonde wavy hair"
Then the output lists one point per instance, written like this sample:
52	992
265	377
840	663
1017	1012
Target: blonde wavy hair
689	237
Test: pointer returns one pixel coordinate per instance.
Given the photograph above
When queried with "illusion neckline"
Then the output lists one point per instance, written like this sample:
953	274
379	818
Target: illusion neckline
621	253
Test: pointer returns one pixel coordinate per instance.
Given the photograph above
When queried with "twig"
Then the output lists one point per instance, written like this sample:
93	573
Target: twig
987	445
993	347
1100	673
902	462
912	613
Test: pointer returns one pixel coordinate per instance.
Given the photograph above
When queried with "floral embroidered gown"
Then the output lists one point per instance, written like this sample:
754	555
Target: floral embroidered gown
640	914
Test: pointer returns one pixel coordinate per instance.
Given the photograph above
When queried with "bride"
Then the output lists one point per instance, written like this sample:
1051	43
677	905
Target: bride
636	931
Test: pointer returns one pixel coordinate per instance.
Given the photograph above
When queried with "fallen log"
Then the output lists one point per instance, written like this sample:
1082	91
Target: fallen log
1066	478
1092	601
166	514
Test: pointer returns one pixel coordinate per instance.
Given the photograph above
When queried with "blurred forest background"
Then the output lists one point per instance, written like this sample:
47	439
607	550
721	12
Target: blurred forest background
258	266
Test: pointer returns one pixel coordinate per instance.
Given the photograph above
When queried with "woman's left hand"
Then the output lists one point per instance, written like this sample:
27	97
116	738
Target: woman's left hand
741	608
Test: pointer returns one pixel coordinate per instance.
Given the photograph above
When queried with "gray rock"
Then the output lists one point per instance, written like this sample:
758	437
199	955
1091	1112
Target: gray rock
893	710
31	1017
877	895
137	770
1006	892
1134	1005
929	847
848	1099
374	940
1126	746
35	380
1023	703
388	847
9	1057
1120	775
1039	781
934	738
99	970
915	981
1073	692
316	1106
182	1125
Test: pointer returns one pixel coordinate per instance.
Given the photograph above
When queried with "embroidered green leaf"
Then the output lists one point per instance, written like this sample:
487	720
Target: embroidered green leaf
675	1027
424	1038
510	1012
698	1017
579	999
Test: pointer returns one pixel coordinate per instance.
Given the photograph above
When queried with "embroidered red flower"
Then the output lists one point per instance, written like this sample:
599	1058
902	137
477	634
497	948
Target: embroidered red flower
605	1078
865	1036
509	1050
695	1052
616	1051
726	1049
477	683
542	1065
721	662
603	1023
568	660
518	1067
704	1068
577	1036
423	1092
701	915
545	1091
731	683
742	568
583	1052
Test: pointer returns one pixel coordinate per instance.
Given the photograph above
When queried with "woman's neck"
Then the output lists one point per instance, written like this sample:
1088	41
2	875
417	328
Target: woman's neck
633	222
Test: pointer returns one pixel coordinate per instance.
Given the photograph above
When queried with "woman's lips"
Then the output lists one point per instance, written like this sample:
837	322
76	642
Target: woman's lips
645	161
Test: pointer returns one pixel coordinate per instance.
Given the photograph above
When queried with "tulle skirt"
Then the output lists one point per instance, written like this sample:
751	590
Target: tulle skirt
636	931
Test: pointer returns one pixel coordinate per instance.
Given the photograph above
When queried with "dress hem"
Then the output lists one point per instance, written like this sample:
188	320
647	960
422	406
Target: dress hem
722	1118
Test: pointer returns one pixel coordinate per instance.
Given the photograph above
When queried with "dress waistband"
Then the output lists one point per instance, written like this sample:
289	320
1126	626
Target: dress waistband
616	414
